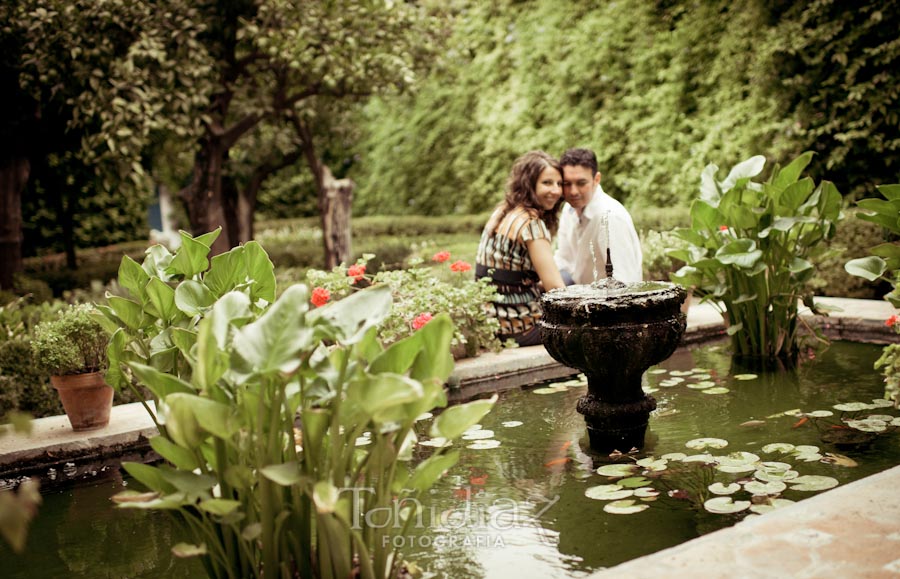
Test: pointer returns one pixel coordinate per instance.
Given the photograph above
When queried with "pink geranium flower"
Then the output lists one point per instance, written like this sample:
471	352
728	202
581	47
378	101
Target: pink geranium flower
320	297
441	256
356	272
460	266
421	320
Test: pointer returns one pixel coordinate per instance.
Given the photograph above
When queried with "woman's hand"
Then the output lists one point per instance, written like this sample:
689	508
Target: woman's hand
541	255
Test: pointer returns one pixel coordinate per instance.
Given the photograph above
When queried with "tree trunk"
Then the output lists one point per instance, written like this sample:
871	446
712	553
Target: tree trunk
204	197
335	198
13	177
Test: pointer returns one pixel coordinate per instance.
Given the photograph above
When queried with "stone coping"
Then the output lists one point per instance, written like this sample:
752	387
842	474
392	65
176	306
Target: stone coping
853	530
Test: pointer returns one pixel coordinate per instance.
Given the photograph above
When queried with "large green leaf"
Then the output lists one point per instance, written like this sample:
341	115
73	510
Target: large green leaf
162	296
210	237
129	312
355	314
796	194
227	271
430	470
272	343
160	383
212	360
791	173
149	476
260	271
435	360
382	396
287	474
187	481
705	216
453	421
191	258
890	252
180	457
115	352
133	277
157	261
744	170
709	187
193	298
890	192
882	212
190	417
870	268
399	356
229	311
740	252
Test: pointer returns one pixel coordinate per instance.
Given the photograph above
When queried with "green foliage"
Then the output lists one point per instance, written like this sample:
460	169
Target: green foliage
750	246
655	246
419	291
237	466
72	343
24	384
853	238
889	363
884	261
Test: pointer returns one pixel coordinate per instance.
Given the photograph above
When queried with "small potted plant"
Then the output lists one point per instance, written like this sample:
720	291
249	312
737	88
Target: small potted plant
72	348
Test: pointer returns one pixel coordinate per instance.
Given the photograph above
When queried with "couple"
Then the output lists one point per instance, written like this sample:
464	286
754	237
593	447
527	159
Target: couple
515	251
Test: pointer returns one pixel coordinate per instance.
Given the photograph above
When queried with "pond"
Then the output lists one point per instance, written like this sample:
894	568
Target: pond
515	505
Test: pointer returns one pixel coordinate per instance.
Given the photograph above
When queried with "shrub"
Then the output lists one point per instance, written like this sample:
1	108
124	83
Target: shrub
656	245
72	343
26	381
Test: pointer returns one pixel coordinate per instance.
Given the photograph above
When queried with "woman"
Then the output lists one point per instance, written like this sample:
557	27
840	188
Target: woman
515	247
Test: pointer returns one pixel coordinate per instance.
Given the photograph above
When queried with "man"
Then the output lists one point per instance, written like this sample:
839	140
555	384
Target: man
592	221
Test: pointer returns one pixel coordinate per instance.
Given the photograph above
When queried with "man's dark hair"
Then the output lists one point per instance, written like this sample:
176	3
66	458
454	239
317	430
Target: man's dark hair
580	158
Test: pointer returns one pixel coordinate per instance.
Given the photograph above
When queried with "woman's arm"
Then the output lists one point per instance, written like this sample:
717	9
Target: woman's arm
542	258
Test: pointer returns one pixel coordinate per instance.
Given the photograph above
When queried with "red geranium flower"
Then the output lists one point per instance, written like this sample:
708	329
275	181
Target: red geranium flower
892	320
460	266
356	272
723	228
421	320
441	256
320	297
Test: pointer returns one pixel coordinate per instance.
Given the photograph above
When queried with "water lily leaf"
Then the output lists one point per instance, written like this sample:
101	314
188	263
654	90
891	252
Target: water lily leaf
808	456
724	505
625	507
882	403
868	425
895	422
775	475
477	434
681	372
820	414
813	483
805	448
771	505
652	464
716	390
617	470
745	376
737	462
646	493
437	442
720	489
701	443
782	447
851	406
882	417
484	444
702	377
511	423
607	492
674	456
657	371
634	482
760	488
704	458
186	550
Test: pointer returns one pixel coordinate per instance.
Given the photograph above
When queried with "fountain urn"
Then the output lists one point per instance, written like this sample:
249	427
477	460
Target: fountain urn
613	332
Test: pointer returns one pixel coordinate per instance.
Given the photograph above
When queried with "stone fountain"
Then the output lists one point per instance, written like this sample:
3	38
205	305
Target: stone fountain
613	332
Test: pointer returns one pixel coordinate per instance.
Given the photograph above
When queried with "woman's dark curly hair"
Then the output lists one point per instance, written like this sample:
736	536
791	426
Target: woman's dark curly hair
522	185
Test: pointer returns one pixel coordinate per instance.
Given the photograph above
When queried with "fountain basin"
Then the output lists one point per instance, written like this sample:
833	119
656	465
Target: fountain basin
613	334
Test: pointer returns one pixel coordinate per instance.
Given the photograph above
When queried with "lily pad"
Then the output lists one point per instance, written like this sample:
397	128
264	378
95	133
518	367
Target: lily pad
607	493
851	406
478	435
812	482
634	482
701	376
720	489
511	423
701	443
681	372
782	447
548	390
882	403
808	456
760	488
653	464
437	442
820	413
674	456
883	417
617	470
626	507
484	444
646	493
737	462
724	505
745	376
657	371
716	390
868	425
702	385
771	505
705	458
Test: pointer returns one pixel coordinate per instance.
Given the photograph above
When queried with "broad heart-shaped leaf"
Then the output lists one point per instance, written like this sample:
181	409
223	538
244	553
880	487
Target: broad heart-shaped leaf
791	173
705	216
286	474
884	213
435	360
209	415
798	265
209	237
260	271
187	481
831	202
133	277
794	195
740	252
709	187
162	296
272	343
115	352
382	396
180	457
744	170
228	270
219	507
160	383
355	314
231	310
399	356
183	339
157	261
191	257
453	421
890	252
193	298
870	268
431	470
130	313
890	192
149	476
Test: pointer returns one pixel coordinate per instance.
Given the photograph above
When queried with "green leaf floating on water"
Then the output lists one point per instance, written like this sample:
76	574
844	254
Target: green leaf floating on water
772	505
626	507
617	470
813	482
724	505
782	447
701	443
716	390
702	385
851	406
745	376
607	493
720	489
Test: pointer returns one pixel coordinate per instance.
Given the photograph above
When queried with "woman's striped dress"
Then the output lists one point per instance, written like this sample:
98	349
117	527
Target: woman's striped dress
503	257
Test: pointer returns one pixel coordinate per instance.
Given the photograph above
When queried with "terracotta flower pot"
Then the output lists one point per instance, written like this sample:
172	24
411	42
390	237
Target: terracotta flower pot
86	398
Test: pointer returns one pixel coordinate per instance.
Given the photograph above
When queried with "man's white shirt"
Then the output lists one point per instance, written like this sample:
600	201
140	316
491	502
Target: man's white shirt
582	241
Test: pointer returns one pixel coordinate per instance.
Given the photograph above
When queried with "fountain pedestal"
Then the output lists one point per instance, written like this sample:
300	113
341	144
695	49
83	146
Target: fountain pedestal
613	332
